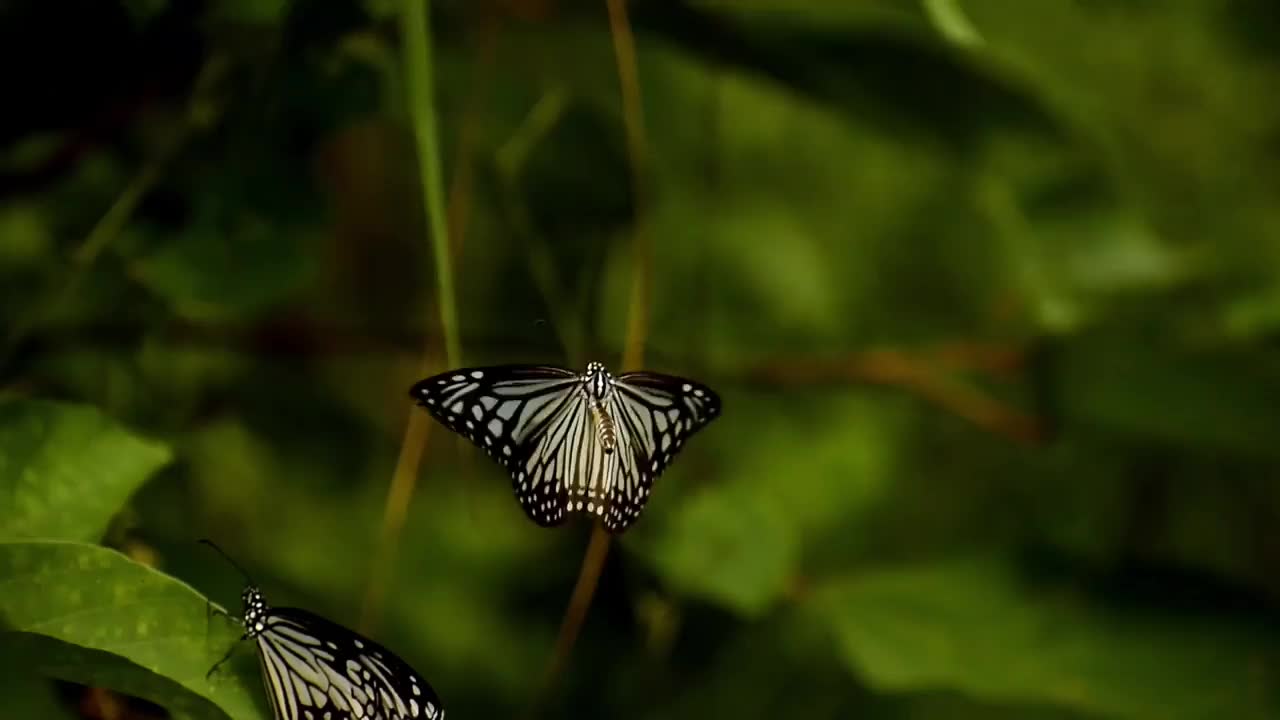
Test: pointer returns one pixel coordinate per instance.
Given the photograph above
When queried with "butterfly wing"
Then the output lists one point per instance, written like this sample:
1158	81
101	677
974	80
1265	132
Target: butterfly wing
315	669
535	420
521	415
655	415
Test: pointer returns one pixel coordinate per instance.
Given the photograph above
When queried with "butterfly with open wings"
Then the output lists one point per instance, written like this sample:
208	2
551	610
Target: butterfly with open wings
590	443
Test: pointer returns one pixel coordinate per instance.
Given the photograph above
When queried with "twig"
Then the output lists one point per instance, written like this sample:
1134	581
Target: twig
637	324
918	375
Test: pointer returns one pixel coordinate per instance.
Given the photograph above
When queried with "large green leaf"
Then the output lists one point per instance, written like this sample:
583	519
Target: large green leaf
735	549
26	694
89	614
66	469
1213	402
808	477
972	626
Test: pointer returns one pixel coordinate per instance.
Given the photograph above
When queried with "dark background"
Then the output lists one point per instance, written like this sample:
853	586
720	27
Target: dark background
991	291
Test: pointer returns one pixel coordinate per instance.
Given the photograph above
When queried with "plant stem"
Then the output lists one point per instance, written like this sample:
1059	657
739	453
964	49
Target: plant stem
415	30
415	26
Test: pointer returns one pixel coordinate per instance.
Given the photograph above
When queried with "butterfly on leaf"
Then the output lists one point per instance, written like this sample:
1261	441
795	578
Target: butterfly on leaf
573	443
315	669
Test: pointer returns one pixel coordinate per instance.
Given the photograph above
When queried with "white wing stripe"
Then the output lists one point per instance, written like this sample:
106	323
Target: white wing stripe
297	658
281	690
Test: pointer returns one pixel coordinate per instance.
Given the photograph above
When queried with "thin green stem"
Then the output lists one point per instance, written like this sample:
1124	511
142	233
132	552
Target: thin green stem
415	22
416	42
949	18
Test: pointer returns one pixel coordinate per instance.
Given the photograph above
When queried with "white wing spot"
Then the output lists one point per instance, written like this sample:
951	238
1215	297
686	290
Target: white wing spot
506	450
495	427
458	378
457	408
477	374
477	412
685	387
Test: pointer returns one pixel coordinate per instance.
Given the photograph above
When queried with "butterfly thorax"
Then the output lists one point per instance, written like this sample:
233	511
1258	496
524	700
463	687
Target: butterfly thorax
255	612
599	386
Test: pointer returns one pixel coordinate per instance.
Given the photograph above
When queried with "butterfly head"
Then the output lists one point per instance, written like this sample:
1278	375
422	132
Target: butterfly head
597	380
255	611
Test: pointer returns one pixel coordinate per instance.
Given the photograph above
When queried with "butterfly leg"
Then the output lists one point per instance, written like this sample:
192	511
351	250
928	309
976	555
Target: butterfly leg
210	610
220	663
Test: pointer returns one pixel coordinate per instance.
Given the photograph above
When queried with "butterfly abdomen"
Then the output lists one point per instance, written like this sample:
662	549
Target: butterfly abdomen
605	426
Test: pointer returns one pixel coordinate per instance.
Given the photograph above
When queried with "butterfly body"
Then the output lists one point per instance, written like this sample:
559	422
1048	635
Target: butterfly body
315	669
599	385
573	443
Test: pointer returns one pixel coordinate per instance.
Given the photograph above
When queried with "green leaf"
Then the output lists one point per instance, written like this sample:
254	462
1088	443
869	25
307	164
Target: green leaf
1224	402
228	268
66	469
812	469
89	614
26	694
971	626
252	12
733	548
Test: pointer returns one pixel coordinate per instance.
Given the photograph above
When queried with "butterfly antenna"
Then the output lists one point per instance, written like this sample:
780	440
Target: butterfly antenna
248	578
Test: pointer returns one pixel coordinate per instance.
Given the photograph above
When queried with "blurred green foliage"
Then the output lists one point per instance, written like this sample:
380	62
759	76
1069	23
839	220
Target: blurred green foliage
991	291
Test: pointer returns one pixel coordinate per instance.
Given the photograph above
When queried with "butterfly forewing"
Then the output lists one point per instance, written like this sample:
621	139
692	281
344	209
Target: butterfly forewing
318	670
495	407
542	423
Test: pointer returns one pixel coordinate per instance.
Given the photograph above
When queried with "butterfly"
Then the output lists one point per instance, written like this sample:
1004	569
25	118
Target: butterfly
573	443
315	669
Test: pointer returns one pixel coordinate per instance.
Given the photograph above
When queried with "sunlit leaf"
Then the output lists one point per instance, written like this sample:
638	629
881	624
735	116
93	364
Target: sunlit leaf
89	614
65	470
972	626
